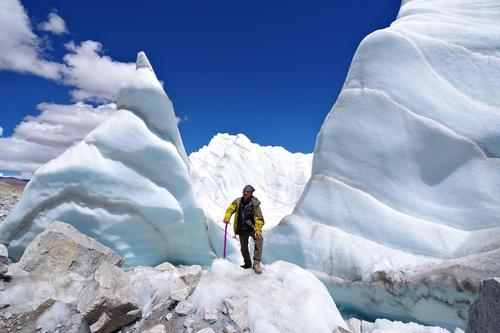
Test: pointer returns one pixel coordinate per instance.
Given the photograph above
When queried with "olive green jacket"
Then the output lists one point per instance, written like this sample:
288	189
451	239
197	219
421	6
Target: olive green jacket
234	209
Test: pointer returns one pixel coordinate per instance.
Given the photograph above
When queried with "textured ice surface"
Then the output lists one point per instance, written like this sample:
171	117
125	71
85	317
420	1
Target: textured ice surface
405	172
127	185
285	298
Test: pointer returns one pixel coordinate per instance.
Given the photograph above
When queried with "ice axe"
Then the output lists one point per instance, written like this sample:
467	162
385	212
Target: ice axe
225	237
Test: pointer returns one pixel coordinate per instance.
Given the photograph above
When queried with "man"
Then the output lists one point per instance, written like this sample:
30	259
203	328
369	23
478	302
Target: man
248	222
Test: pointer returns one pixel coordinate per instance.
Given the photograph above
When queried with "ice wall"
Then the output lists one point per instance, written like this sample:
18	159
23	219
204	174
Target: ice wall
127	185
405	172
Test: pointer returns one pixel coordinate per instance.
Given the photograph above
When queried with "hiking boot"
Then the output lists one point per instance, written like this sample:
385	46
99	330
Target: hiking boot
256	267
246	266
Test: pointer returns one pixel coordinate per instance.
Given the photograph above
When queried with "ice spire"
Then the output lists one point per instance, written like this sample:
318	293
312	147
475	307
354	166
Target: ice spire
143	61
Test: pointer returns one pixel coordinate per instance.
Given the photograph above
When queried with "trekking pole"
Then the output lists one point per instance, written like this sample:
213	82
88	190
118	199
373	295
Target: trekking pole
225	236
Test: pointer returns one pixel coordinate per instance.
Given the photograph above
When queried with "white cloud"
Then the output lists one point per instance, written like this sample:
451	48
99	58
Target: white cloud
38	139
54	24
1	131
21	49
97	77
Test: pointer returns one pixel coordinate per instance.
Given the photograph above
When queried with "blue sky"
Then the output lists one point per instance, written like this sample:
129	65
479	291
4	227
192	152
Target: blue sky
269	69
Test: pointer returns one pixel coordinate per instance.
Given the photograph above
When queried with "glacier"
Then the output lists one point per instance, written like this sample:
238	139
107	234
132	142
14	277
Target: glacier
403	202
127	185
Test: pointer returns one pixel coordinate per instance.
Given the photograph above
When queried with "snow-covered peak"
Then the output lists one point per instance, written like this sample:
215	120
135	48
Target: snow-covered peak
144	96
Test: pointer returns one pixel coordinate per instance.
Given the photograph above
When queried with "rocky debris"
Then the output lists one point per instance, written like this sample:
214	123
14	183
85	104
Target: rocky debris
229	329
169	316
183	308
109	298
157	329
4	260
210	315
51	316
188	322
484	313
206	330
61	248
186	281
236	307
10	192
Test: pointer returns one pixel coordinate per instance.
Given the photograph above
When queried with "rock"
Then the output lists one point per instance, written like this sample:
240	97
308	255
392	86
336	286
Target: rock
188	322
169	316
341	330
206	330
165	267
157	329
61	248
4	260
229	329
189	330
3	306
355	325
183	308
236	308
7	315
110	292
484	313
186	282
100	324
210	315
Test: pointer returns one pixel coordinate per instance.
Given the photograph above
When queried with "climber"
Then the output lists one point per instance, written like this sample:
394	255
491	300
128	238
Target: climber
248	222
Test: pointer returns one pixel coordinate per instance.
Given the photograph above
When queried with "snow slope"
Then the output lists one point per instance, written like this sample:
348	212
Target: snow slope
405	172
285	298
127	184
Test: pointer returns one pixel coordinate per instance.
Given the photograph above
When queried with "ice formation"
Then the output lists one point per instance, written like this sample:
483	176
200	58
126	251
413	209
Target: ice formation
221	169
127	185
405	172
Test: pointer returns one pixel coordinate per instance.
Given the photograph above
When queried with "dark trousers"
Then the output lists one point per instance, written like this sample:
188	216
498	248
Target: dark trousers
259	243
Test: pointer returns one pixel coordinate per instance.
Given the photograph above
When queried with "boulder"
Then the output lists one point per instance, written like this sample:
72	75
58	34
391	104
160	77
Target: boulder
109	292
186	280
484	313
236	307
4	260
210	315
183	308
61	248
